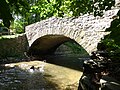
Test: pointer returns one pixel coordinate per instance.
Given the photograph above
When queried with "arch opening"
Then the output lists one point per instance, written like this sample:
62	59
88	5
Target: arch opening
54	45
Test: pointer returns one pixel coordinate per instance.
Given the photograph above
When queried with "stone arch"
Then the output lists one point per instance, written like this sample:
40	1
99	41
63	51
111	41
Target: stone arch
86	30
48	44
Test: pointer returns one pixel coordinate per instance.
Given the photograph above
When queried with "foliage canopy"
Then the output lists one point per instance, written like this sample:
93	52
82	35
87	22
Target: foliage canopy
111	43
8	8
36	10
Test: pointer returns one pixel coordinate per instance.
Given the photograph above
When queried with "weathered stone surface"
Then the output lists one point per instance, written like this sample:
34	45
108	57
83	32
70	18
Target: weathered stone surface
86	30
13	47
117	3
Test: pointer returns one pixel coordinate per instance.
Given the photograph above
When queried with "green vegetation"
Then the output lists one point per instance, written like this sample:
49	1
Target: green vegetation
76	49
111	42
16	14
12	46
5	50
10	8
9	36
25	12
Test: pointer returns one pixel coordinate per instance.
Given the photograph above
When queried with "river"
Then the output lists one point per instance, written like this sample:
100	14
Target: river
59	73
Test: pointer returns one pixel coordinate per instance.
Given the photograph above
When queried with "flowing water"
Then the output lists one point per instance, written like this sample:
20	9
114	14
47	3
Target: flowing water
59	73
17	79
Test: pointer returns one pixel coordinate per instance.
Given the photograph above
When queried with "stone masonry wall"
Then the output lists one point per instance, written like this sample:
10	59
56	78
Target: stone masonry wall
13	47
86	30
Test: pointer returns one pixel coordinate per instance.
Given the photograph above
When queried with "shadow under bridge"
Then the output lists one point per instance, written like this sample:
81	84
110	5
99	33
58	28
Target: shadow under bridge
47	45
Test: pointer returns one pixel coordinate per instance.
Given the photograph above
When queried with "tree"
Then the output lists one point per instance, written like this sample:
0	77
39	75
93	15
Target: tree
42	9
8	8
111	41
5	13
36	10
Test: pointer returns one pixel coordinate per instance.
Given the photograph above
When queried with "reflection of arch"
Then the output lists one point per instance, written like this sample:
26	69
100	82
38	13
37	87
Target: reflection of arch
47	44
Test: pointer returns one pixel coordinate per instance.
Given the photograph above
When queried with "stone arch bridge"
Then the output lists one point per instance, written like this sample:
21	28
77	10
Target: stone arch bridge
45	36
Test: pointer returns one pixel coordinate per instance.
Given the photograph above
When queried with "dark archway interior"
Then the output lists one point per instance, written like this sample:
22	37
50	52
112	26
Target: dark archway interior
47	45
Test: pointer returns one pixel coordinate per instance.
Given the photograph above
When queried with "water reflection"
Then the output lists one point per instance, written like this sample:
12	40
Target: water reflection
73	62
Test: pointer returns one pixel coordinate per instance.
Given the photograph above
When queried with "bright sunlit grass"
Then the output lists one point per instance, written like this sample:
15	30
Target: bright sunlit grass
10	36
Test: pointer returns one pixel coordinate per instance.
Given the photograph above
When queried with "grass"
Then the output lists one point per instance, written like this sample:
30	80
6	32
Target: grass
10	36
